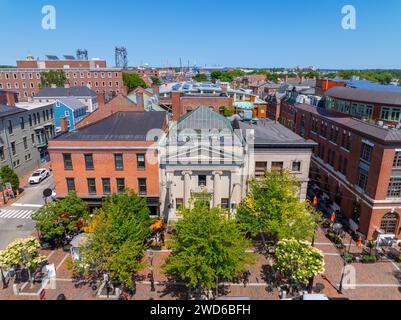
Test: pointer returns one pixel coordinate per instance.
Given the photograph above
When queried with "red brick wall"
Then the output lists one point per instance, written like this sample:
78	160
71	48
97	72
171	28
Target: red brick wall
103	167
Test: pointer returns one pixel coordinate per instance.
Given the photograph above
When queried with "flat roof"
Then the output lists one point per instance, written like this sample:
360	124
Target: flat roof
269	133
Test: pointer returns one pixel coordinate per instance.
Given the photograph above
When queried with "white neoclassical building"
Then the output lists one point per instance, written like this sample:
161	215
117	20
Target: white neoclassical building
205	155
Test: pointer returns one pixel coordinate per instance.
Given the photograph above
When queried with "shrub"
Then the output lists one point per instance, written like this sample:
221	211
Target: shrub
348	257
368	259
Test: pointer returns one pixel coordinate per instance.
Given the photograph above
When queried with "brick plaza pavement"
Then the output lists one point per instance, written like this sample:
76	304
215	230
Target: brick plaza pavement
379	281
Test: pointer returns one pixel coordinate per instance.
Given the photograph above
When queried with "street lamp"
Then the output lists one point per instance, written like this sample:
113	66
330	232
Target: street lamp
151	268
3	279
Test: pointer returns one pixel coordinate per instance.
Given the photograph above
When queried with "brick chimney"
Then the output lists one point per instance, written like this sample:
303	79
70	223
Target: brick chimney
176	104
139	101
64	125
11	98
100	99
68	93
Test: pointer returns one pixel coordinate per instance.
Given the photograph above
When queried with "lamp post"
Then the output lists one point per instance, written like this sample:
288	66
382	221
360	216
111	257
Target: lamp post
3	279
152	279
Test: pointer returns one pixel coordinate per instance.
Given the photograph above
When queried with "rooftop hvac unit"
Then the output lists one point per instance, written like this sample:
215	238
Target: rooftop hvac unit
380	123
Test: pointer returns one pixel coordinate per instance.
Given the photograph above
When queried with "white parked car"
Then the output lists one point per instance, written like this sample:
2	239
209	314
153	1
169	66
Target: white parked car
38	176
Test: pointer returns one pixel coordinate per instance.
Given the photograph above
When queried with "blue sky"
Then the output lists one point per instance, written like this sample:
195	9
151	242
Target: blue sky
254	33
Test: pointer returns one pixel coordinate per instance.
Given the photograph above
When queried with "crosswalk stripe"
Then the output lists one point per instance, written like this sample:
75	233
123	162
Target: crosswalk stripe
16	214
19	215
9	214
26	215
3	213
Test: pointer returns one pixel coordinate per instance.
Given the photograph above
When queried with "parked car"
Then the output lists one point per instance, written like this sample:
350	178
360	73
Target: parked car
38	176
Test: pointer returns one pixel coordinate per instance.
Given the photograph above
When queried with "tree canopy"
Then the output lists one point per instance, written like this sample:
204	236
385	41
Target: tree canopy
298	260
53	77
155	80
8	175
227	76
22	252
59	218
132	81
118	242
201	77
273	206
207	244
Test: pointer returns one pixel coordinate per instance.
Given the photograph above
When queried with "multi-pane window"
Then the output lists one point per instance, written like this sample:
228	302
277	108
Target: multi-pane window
366	152
142	186
390	114
397	160
25	143
296	166
70	185
346	140
106	185
277	165
91	186
118	160
389	223
225	203
394	187
362	178
10	127
120	185
140	160
260	168
13	149
67	161
2	154
89	161
22	123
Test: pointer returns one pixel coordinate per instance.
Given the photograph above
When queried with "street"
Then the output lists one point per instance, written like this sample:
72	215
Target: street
15	219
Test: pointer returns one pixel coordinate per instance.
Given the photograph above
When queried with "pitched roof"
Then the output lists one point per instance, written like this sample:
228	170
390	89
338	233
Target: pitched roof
120	126
365	95
203	118
7	110
65	92
359	126
73	103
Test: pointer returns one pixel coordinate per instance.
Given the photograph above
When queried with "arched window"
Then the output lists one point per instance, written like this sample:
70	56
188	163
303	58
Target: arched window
389	223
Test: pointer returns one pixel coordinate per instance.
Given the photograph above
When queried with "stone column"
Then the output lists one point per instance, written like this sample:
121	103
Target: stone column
216	188
187	187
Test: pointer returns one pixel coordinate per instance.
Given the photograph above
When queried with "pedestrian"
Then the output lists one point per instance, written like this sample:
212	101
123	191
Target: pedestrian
246	277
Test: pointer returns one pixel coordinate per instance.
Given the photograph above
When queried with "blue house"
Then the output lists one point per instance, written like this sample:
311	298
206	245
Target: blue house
71	109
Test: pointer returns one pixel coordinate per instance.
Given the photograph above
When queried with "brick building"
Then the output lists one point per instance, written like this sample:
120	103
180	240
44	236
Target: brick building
25	79
357	163
109	156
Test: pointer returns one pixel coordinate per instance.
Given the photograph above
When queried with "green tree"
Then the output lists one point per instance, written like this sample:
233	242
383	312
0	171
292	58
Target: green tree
215	75
24	253
208	244
201	77
119	239
60	218
53	77
273	207
8	175
298	261
132	81
155	80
